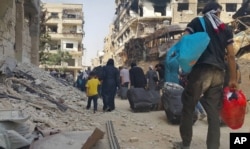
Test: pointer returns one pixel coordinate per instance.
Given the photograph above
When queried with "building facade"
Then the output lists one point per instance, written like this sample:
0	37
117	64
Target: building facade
19	27
65	27
143	28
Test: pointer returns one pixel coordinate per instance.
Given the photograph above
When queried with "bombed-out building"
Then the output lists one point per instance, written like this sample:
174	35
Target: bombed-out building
145	29
64	24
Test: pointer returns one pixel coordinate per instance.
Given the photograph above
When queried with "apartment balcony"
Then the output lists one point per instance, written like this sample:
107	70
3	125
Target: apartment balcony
53	20
72	21
59	36
72	18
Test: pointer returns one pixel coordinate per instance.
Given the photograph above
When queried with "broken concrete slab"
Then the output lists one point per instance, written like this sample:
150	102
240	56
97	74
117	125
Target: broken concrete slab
72	140
16	116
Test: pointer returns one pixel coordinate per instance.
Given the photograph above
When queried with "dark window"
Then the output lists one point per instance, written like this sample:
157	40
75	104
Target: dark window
52	28
71	16
54	15
141	11
54	45
71	62
161	9
69	45
231	7
182	6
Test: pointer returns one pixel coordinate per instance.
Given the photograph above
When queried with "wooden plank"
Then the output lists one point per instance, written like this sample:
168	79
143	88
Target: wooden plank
96	135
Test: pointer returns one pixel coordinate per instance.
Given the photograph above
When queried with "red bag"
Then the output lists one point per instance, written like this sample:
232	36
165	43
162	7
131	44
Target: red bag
234	108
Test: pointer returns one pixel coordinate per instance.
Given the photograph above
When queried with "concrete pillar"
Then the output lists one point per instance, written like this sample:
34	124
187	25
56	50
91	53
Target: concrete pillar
34	34
19	30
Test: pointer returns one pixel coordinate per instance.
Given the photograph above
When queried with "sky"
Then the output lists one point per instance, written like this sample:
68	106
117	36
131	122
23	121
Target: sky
98	15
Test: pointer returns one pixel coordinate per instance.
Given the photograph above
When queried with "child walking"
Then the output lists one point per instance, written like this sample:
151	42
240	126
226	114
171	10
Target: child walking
92	90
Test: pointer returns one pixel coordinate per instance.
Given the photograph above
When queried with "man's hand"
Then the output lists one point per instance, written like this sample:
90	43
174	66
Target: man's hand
233	85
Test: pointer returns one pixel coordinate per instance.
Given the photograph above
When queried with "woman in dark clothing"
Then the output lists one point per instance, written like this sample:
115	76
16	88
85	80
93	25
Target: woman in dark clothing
137	77
111	81
161	71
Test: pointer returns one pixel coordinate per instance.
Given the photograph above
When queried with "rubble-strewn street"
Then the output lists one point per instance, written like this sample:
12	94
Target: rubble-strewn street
52	106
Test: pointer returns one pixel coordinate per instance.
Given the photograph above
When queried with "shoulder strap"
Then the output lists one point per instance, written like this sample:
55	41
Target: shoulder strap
203	23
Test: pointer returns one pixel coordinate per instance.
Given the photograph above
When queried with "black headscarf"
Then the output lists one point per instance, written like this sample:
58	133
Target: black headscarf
133	64
110	62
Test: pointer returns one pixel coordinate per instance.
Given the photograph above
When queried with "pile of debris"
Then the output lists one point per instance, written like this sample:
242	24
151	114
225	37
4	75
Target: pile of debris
34	104
241	27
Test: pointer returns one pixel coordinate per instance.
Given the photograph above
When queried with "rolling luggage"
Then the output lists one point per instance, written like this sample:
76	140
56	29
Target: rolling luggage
171	98
139	100
123	92
155	99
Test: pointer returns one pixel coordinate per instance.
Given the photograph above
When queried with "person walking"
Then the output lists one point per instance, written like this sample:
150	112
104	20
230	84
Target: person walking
124	76
152	78
92	90
160	68
110	84
206	77
137	76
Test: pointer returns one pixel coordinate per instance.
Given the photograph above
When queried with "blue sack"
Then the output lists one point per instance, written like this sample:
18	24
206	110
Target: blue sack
172	66
190	47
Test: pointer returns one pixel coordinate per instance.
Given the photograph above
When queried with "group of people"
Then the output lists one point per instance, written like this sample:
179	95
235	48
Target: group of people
63	75
105	81
136	78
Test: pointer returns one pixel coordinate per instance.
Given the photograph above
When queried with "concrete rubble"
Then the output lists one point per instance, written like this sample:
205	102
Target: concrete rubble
30	98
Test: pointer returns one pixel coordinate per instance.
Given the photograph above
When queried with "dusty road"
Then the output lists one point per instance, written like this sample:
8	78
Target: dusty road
152	131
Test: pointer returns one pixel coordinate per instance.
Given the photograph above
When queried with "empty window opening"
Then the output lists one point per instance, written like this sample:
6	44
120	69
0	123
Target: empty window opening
182	6
69	45
135	6
160	9
71	62
54	15
71	16
141	11
231	7
52	28
54	45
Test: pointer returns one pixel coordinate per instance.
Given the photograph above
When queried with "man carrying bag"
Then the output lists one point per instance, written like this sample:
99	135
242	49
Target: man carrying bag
207	75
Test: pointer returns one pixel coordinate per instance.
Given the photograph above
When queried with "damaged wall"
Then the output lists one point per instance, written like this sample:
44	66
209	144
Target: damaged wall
19	21
7	28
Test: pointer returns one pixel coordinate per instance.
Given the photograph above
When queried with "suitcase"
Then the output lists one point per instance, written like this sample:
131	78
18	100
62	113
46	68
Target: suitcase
156	100
123	92
171	98
139	100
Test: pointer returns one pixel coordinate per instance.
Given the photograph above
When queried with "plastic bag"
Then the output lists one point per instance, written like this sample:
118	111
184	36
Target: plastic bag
234	108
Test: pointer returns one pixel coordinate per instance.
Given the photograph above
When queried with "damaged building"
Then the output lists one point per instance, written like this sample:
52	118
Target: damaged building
19	27
65	28
145	29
